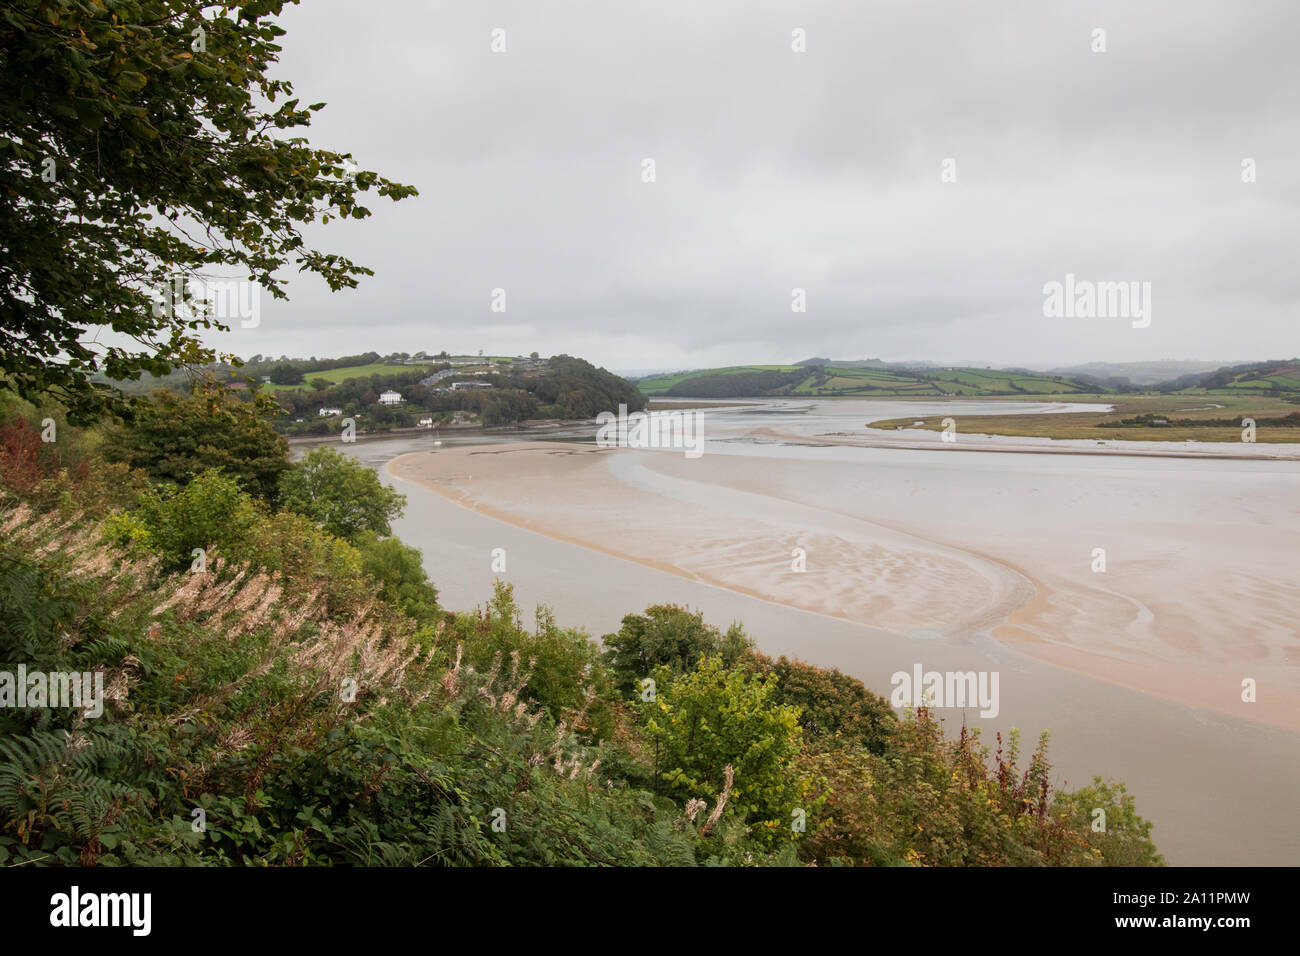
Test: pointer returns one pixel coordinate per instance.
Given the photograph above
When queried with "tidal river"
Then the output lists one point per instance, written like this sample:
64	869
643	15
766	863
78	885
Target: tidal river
1142	609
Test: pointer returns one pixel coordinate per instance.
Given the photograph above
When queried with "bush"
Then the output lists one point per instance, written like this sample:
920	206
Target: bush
209	512
566	674
399	570
835	710
932	801
713	718
668	636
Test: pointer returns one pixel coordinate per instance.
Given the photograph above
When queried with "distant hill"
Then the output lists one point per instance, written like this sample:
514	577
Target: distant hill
874	378
868	379
1139	373
839	363
1276	376
455	389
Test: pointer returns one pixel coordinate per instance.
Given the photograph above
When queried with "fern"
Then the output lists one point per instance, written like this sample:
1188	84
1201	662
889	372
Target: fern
55	783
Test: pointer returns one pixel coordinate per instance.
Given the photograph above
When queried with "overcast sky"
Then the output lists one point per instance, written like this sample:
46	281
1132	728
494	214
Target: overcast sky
820	170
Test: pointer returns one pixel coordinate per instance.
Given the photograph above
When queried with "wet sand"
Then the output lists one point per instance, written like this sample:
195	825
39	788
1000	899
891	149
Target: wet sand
956	562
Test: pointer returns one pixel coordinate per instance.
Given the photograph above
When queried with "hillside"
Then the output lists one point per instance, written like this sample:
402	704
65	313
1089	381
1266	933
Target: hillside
859	380
493	390
1274	377
1138	373
871	378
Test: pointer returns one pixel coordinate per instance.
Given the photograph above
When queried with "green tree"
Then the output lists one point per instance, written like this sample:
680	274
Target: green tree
286	375
668	636
174	439
340	494
141	146
715	717
835	710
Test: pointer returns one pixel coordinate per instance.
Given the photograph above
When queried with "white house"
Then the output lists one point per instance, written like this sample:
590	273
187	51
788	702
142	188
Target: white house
426	422
390	398
326	412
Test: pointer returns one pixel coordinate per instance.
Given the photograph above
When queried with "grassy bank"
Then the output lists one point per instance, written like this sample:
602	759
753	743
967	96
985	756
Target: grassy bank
1106	426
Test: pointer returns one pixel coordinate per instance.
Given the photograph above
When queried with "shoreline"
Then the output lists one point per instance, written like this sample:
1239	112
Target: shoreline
532	425
1020	445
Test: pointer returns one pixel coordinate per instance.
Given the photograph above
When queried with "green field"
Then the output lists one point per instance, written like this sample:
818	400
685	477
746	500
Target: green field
1090	425
337	375
659	384
1261	377
874	382
850	381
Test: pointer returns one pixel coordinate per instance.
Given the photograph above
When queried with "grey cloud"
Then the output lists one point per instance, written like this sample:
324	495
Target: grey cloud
818	170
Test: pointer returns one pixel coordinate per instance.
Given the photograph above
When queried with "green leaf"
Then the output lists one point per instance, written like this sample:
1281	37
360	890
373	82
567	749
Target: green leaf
131	81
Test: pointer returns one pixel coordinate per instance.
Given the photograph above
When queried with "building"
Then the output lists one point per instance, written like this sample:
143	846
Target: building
426	422
437	377
327	412
390	398
468	386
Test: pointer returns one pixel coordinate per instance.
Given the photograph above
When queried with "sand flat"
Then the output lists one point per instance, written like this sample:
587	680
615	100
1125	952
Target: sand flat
1199	592
1218	788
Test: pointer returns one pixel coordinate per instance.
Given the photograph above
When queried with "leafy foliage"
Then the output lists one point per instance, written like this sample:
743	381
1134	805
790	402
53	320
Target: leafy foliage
930	801
715	717
671	637
399	570
209	512
140	144
835	710
173	439
340	494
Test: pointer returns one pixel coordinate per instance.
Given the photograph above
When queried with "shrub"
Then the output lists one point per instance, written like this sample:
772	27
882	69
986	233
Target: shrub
835	710
399	570
715	717
668	636
210	512
566	674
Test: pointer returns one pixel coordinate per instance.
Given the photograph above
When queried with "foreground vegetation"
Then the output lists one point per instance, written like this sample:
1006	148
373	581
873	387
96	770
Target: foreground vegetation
282	687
